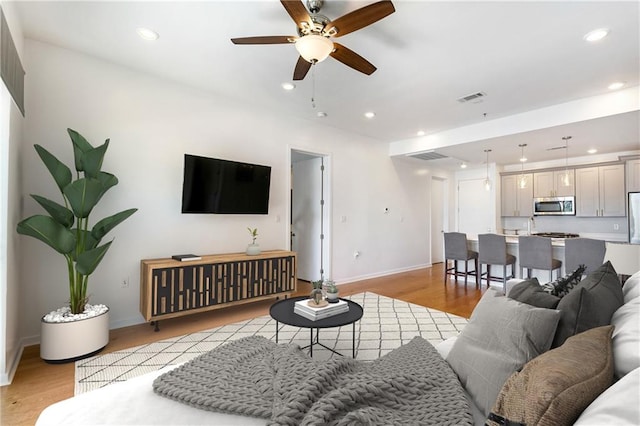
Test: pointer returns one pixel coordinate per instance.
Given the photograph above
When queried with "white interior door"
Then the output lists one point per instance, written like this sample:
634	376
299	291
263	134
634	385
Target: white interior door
438	214
306	217
474	207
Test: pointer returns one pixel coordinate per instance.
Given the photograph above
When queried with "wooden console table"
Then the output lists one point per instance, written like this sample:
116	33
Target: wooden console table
171	288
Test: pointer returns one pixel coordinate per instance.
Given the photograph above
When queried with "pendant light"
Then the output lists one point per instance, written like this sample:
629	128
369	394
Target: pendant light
566	179
487	181
522	180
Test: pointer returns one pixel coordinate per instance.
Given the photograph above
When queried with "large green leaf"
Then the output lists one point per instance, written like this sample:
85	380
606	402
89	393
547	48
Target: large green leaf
101	228
92	160
88	241
47	230
88	261
60	172
83	194
80	146
59	213
108	180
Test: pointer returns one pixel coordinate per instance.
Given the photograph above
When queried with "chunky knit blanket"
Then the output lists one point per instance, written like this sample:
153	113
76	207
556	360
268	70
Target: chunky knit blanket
255	377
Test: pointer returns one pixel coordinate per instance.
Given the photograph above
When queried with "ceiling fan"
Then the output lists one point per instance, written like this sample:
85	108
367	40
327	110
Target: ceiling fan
315	33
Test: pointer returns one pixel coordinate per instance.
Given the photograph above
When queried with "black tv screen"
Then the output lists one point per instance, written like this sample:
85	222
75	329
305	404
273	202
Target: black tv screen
212	185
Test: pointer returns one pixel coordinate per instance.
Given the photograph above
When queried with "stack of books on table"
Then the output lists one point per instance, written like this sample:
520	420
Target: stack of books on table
303	308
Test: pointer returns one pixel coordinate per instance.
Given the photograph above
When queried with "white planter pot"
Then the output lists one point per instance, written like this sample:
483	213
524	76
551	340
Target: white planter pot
70	341
332	296
253	249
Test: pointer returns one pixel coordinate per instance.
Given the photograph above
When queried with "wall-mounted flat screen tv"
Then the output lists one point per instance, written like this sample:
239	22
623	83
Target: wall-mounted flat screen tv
218	186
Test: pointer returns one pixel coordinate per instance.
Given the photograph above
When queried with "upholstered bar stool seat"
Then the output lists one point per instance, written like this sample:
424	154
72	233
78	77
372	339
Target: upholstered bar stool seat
583	251
537	253
492	250
456	250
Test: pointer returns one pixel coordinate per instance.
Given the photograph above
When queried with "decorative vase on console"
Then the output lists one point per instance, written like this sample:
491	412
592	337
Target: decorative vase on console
253	248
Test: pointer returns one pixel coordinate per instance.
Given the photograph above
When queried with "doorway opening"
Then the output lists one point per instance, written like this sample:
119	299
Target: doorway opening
309	211
439	218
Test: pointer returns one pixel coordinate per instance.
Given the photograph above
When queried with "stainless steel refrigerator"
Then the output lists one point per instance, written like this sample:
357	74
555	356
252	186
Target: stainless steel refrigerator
634	217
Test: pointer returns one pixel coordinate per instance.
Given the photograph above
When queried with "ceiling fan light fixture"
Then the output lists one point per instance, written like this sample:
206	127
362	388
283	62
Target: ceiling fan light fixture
314	48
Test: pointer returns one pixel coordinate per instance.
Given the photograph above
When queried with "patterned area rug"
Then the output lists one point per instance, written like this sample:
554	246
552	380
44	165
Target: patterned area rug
386	324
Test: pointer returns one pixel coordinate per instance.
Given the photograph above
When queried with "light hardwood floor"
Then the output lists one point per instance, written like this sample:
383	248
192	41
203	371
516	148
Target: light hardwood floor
37	384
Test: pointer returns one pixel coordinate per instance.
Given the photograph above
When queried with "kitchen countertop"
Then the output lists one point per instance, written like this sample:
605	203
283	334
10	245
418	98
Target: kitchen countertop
513	239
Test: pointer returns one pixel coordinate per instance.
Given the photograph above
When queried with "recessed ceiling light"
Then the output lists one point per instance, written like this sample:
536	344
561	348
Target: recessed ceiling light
370	114
523	159
617	85
321	114
463	166
596	35
592	151
288	86
147	34
420	133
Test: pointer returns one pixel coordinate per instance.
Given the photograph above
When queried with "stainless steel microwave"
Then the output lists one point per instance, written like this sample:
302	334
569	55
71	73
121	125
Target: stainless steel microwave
558	206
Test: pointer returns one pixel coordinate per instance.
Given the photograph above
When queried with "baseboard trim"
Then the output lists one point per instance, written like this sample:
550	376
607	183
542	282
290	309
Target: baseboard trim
382	274
7	377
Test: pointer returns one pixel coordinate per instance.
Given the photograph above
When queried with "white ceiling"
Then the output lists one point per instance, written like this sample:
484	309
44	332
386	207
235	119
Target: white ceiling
523	55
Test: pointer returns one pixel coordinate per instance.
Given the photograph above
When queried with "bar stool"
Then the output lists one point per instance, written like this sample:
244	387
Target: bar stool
456	249
537	253
583	251
493	251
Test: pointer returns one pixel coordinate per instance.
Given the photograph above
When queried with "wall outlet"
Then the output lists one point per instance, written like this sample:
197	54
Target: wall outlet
125	283
616	226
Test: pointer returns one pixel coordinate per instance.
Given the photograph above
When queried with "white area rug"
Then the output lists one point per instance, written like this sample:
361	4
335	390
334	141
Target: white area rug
386	324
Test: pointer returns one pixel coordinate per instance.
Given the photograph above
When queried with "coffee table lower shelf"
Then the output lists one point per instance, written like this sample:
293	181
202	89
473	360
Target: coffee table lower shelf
282	312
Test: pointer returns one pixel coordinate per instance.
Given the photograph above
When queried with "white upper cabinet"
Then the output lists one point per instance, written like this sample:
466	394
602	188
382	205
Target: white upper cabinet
600	191
633	175
553	184
515	200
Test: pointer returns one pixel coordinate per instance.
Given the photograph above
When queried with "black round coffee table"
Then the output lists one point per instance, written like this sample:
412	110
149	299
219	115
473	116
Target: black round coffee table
282	311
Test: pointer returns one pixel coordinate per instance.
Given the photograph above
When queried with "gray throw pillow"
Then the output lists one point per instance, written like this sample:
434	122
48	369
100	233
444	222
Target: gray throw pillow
530	292
590	304
502	335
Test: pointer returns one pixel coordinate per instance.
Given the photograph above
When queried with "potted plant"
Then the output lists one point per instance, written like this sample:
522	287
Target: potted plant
253	248
332	291
317	294
78	330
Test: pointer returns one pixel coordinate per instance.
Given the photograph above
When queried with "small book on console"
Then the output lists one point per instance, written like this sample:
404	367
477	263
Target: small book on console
185	257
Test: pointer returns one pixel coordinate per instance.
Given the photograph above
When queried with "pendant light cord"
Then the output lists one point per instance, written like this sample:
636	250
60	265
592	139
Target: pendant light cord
313	85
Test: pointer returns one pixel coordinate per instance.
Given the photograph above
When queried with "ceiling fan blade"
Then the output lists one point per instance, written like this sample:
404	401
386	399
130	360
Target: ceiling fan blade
264	40
297	11
360	18
302	68
352	59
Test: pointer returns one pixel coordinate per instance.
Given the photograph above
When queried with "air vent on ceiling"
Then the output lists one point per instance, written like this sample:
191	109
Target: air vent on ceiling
556	147
474	97
428	155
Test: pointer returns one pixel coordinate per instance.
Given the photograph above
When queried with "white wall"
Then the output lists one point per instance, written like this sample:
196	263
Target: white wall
11	122
152	123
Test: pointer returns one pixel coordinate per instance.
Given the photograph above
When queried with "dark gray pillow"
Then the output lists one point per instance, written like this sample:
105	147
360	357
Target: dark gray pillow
530	292
590	304
502	335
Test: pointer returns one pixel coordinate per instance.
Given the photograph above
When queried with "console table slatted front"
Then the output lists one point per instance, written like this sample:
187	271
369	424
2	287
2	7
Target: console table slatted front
171	288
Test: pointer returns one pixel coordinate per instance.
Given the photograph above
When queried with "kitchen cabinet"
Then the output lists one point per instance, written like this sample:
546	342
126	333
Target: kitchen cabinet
552	184
633	175
600	191
516	201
